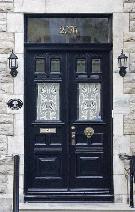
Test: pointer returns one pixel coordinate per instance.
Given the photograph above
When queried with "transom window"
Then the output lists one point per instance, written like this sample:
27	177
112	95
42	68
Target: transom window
68	30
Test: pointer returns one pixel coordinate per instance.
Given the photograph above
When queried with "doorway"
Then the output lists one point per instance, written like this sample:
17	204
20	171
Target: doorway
68	123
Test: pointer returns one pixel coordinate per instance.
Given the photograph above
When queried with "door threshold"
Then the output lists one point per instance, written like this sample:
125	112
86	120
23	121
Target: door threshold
75	207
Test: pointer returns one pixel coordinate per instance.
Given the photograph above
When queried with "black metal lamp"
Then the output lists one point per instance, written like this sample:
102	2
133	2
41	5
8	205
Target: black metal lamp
13	64
122	61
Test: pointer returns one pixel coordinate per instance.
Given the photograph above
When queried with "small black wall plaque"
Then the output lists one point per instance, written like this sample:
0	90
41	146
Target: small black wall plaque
15	104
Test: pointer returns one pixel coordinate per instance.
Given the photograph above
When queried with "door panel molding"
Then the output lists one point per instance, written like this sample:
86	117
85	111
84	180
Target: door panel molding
57	169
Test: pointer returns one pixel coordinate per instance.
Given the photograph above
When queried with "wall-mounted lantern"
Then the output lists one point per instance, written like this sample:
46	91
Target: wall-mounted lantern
13	64
122	62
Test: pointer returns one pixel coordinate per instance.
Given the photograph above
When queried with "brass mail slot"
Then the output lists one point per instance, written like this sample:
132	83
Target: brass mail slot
47	130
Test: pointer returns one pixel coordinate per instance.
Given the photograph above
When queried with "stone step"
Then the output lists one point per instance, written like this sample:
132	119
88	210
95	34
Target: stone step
75	207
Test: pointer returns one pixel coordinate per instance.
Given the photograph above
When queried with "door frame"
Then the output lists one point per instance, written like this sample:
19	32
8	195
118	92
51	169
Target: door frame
65	47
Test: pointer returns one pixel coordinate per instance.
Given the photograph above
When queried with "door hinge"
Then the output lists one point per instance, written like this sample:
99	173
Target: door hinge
112	113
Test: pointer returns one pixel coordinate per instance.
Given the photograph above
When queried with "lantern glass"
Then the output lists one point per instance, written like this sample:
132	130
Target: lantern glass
13	63
123	62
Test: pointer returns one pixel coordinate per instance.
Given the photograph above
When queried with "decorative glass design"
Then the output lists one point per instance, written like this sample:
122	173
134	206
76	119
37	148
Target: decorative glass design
55	65
68	30
48	101
80	65
96	65
40	65
89	101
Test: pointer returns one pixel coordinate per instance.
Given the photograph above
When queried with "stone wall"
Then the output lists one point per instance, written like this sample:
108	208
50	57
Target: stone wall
11	122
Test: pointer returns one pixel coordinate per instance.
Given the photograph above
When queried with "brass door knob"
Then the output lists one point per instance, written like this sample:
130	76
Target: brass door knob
72	127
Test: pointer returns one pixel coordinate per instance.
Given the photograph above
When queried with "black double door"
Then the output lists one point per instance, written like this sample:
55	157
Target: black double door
68	149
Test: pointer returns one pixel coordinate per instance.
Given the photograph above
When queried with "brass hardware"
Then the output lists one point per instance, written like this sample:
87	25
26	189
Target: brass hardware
67	30
72	127
88	132
47	130
73	135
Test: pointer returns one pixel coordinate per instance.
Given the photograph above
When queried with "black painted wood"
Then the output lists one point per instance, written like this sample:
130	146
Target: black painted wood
55	168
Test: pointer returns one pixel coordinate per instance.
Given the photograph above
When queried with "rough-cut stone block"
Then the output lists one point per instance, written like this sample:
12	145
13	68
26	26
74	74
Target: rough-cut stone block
3	105
6	129
129	88
121	104
132	104
132	143
6	42
3	145
6	165
129	124
129	37
15	22
6	169
6	88
129	7
6	119
10	185
6	159
31	7
132	16
132	62
6	6
129	47
129	83
2	22
5	76
132	26
3	183
6	124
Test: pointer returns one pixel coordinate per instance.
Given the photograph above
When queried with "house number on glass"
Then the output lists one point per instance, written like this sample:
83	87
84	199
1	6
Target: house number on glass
68	30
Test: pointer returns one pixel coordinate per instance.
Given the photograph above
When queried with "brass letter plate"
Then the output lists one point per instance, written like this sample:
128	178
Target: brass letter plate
47	130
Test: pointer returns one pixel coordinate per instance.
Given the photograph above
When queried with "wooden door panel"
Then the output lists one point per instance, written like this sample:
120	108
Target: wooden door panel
97	139
88	170
88	161
49	170
50	139
67	92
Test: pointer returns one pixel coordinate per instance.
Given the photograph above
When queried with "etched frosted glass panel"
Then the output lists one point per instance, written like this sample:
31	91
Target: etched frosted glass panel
89	101
48	101
80	65
96	65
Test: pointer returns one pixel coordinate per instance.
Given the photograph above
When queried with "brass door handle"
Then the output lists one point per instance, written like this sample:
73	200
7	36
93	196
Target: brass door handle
73	133
89	132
